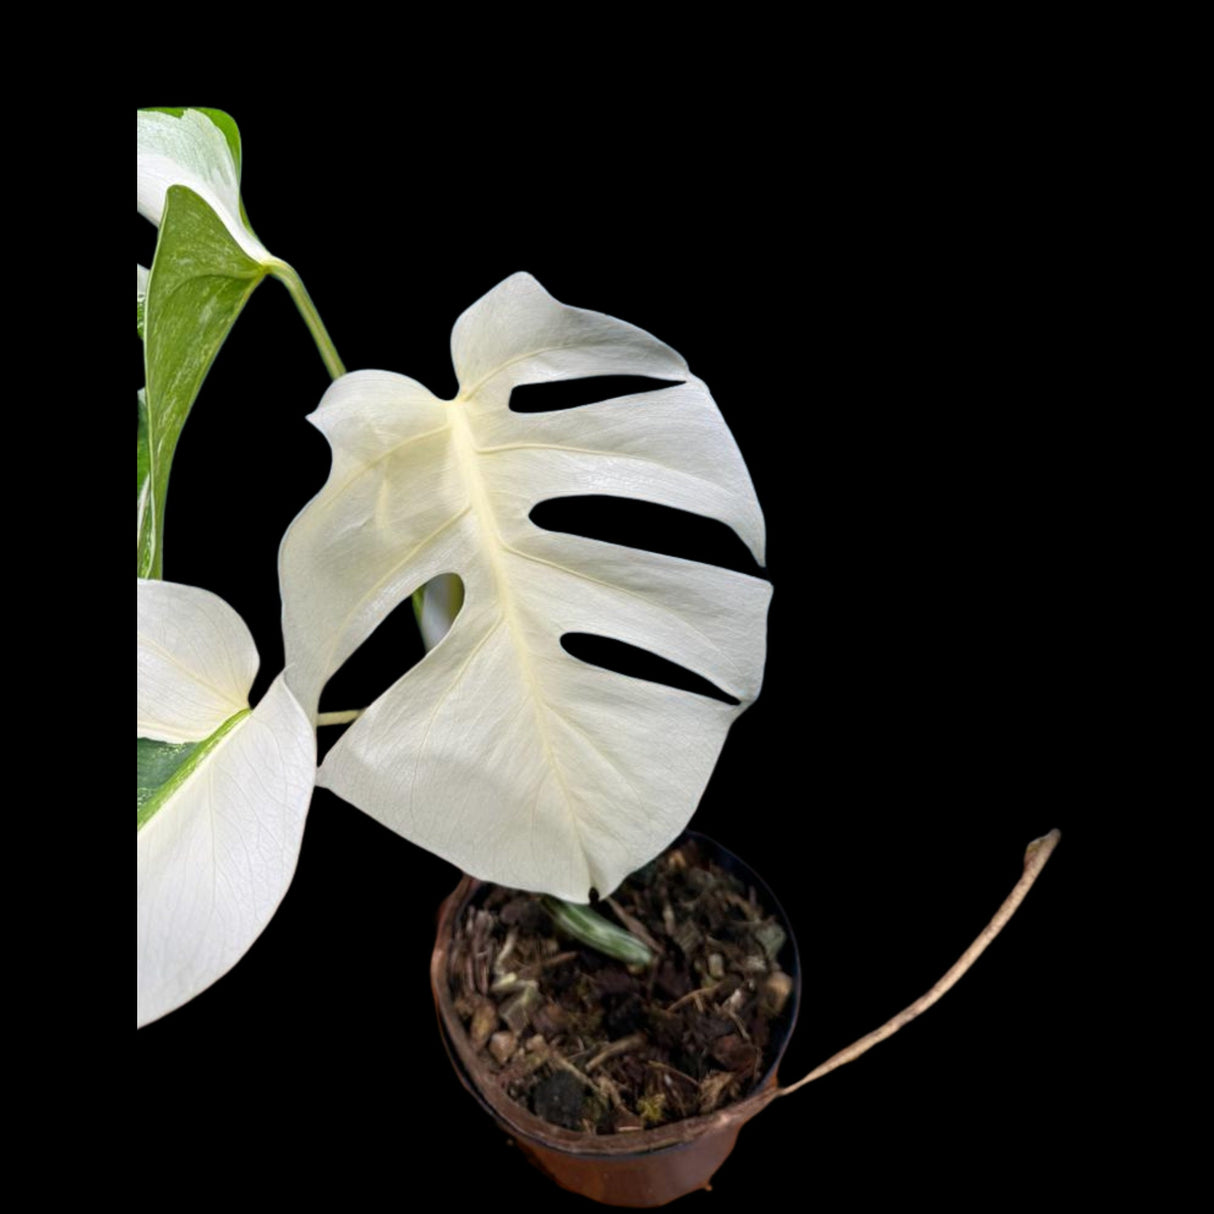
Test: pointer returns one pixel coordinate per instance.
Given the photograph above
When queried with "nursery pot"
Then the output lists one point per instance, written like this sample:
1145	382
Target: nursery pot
642	1168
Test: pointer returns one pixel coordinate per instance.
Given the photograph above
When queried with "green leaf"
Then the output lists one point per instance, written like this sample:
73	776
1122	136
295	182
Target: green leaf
164	766
200	282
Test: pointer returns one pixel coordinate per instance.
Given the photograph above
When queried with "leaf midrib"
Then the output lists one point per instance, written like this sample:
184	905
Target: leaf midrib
194	764
464	448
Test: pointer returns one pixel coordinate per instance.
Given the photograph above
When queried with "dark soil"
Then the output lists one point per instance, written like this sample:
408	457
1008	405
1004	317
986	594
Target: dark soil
591	1044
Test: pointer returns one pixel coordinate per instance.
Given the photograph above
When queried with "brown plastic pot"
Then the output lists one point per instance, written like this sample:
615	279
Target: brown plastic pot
641	1169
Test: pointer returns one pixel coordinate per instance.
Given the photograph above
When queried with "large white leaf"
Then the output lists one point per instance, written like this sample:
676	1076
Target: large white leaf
219	838
500	751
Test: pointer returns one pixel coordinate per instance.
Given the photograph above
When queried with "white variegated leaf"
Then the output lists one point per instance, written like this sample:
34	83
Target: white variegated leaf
218	841
190	150
218	856
195	661
500	751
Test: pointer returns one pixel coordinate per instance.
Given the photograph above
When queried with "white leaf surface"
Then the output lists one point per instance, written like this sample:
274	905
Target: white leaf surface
500	751
191	150
216	859
141	283
195	662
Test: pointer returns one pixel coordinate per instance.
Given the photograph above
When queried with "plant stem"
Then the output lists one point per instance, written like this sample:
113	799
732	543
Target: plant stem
307	309
339	718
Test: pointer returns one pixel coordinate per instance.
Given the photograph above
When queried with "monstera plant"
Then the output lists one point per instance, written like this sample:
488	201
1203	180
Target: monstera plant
499	751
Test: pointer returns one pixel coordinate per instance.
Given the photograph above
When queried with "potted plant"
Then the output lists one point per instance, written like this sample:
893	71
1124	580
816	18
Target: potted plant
185	450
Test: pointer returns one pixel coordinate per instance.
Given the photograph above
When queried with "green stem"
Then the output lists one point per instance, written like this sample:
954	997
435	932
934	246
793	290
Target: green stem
307	309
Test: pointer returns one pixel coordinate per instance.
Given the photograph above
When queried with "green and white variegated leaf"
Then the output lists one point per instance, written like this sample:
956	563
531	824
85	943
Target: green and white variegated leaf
199	149
499	751
199	283
207	263
216	859
157	765
221	816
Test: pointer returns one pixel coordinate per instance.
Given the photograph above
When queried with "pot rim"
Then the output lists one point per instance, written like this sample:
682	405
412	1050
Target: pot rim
632	1144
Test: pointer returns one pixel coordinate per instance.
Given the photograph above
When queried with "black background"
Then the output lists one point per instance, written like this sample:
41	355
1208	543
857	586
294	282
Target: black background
882	316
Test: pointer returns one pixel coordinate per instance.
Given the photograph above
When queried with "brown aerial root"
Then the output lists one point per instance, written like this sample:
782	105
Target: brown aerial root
1035	856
